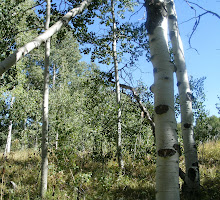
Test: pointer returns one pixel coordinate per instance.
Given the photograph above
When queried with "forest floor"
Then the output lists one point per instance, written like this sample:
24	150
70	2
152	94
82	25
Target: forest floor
81	177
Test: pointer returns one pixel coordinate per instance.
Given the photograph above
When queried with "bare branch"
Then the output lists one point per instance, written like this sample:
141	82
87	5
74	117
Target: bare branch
207	11
197	18
141	105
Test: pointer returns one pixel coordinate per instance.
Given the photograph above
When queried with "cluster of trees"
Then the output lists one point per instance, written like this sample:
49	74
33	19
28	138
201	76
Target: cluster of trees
89	110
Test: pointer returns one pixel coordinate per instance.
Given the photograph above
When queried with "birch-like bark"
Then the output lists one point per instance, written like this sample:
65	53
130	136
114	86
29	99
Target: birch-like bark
8	143
54	82
167	170
44	142
21	52
192	180
117	85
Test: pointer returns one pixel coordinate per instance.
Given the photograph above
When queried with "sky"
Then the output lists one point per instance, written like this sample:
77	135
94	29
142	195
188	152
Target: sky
202	62
202	59
206	41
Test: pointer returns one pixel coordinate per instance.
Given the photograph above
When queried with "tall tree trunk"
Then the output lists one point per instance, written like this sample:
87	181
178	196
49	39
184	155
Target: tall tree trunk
192	180
117	85
167	171
44	142
8	143
21	52
54	82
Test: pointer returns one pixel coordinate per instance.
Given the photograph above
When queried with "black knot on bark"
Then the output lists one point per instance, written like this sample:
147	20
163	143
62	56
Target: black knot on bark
189	96
177	148
155	70
178	83
172	34
186	125
161	109
166	152
192	174
172	17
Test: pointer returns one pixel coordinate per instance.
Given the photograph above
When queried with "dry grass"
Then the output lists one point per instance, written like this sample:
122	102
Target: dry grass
83	178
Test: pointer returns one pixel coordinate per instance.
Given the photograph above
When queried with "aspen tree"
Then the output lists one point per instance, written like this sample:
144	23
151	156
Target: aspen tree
117	85
167	170
192	181
8	143
44	142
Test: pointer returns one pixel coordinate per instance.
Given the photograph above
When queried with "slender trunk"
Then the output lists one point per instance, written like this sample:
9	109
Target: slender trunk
8	144
192	180
44	147
117	85
54	82
21	52
57	138
167	171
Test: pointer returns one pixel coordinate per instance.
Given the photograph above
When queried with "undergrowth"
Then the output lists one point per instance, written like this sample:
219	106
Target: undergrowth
73	176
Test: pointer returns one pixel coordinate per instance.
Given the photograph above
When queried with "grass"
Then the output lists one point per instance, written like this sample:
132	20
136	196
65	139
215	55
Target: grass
80	177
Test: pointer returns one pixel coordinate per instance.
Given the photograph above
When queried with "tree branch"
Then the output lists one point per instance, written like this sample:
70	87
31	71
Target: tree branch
142	107
199	17
21	52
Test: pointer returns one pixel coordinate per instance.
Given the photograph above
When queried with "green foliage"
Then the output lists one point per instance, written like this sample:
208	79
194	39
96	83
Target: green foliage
207	128
17	18
198	97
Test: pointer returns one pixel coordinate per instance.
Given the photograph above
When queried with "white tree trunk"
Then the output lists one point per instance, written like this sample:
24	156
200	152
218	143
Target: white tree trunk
54	82
8	143
192	181
44	142
167	170
21	52
117	85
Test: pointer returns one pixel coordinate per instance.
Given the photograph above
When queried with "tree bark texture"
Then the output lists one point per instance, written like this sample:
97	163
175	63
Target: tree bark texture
117	85
167	170
21	52
192	180
44	142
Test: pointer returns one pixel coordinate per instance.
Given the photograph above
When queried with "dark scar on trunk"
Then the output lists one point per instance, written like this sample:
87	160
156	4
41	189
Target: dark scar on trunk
177	148
192	174
166	152
161	109
155	13
186	125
